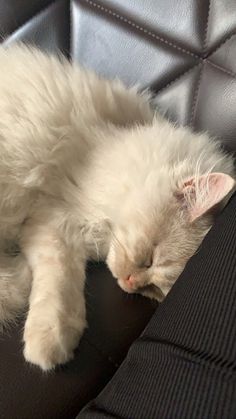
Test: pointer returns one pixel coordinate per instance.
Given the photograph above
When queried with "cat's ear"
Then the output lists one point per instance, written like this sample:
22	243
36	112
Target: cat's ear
201	194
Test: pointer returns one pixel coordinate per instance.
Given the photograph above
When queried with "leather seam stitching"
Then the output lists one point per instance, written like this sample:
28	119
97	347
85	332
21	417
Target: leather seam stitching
224	70
206	28
228	72
140	28
222	43
195	98
177	78
153	35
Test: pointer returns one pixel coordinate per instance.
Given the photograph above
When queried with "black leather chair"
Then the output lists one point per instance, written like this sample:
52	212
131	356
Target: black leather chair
185	52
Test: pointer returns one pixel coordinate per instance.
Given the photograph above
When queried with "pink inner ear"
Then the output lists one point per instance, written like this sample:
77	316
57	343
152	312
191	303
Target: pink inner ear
209	191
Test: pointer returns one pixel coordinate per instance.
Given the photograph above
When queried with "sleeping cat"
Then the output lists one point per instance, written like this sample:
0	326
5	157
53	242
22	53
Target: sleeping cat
89	171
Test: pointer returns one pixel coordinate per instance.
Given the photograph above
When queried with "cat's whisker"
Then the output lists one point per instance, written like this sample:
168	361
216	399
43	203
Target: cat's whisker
117	241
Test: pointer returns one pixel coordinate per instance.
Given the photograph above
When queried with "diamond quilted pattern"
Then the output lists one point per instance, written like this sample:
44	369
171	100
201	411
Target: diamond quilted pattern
225	56
215	104
221	21
173	20
14	14
168	98
48	29
172	54
109	49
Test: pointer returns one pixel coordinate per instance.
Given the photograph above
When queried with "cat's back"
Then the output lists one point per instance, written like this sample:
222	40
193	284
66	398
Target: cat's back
44	97
49	110
33	85
41	85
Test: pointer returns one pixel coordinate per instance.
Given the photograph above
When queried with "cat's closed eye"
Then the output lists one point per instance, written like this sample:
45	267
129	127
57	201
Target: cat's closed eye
147	262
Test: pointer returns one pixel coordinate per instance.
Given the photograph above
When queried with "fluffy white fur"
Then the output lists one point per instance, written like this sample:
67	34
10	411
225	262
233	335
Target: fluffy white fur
87	171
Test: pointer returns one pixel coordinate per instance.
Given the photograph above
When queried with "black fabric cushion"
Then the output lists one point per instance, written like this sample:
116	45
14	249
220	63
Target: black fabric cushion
185	53
184	364
115	320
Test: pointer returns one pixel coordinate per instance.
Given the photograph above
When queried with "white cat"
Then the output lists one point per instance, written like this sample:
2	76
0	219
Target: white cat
87	171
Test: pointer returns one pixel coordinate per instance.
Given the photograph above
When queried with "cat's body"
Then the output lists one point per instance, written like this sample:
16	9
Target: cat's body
88	172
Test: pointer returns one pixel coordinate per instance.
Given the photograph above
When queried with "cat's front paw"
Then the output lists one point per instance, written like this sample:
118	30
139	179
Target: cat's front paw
48	346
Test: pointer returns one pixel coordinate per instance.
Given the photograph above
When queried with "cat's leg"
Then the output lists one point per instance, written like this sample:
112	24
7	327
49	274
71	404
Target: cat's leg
56	317
15	284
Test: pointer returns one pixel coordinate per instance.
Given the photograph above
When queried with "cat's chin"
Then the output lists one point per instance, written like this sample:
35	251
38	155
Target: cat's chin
153	292
150	291
123	285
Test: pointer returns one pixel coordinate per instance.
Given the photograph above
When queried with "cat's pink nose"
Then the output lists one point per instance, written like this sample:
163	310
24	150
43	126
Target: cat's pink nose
130	281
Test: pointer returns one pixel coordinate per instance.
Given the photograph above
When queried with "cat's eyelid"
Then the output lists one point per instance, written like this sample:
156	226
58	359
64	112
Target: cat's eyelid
147	266
148	263
143	265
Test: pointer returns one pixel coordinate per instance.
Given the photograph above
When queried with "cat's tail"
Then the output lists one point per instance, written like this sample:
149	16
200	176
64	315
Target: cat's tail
15	285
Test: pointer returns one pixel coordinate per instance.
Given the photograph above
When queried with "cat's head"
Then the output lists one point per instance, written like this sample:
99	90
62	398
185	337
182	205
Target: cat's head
155	236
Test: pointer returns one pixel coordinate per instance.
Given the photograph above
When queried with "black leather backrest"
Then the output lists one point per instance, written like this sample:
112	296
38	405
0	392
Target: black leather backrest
185	51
